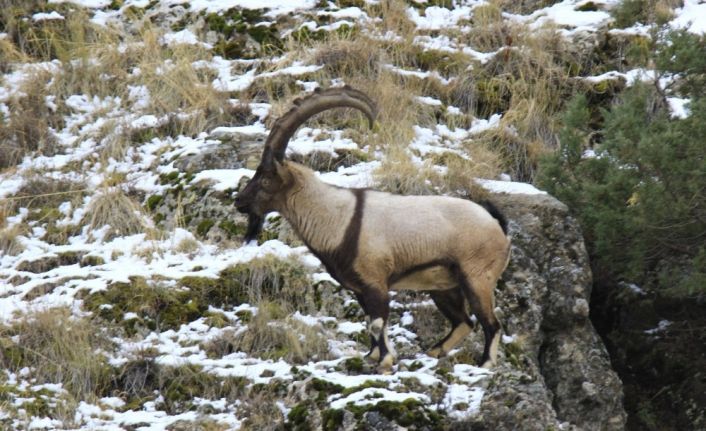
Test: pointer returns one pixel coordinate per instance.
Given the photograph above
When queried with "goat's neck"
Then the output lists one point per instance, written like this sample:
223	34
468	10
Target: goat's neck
318	212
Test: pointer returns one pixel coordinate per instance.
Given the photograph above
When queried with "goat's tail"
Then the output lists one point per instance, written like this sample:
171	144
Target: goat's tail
495	212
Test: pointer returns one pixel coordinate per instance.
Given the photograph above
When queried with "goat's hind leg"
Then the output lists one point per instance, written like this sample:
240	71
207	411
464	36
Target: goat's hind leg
479	290
453	306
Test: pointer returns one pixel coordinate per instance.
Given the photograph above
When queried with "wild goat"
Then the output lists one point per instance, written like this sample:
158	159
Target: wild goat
373	242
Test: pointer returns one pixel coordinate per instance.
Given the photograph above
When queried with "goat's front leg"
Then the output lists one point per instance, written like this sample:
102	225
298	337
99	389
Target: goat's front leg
374	352
376	304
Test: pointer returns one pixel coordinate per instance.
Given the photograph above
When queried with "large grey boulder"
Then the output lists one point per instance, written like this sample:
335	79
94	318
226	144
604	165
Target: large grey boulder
560	370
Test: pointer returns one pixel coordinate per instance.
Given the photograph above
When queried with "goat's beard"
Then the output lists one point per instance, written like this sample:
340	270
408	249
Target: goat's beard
254	227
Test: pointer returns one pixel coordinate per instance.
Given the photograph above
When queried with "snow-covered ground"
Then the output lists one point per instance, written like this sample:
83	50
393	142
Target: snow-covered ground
161	257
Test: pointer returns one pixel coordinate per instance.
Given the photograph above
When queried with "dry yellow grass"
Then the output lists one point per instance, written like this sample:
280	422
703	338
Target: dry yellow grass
58	348
8	208
112	207
393	14
285	282
489	31
11	54
460	175
269	335
27	130
259	410
518	156
528	82
42	195
47	39
9	243
176	86
187	246
114	141
399	174
362	62
347	56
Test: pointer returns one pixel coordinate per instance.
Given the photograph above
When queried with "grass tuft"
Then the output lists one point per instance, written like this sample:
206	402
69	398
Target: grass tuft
271	336
9	242
113	208
398	173
28	128
489	31
270	279
348	56
445	173
57	347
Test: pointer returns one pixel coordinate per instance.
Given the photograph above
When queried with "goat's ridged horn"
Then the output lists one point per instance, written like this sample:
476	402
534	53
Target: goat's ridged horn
305	108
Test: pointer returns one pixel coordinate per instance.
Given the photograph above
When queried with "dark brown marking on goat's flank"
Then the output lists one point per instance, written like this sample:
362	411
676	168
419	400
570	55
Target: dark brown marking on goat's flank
339	262
397	276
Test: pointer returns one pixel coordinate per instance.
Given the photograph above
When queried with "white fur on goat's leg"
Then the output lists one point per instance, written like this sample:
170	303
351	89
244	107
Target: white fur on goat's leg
382	353
375	329
493	351
377	305
387	352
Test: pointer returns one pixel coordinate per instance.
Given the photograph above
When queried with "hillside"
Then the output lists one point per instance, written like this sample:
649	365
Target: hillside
128	300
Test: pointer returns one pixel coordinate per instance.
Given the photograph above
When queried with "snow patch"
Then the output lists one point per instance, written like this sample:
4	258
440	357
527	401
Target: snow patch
53	15
692	17
223	179
509	187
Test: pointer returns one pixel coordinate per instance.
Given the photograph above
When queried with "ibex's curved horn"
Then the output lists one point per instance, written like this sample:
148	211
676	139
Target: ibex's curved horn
305	108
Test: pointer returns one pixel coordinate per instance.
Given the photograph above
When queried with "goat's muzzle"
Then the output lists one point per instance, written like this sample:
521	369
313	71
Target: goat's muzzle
241	206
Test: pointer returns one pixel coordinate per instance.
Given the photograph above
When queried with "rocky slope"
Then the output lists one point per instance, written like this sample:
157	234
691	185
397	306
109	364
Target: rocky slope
127	299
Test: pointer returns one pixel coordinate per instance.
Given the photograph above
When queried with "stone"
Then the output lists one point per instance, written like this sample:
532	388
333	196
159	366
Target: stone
547	288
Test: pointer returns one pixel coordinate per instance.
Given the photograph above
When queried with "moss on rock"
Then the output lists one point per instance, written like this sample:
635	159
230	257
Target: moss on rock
410	413
155	306
50	262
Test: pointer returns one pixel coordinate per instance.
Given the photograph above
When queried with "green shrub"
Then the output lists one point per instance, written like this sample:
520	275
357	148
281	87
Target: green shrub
629	12
683	52
641	199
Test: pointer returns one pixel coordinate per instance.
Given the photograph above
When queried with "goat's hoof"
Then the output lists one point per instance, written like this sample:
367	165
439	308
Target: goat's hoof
487	364
385	366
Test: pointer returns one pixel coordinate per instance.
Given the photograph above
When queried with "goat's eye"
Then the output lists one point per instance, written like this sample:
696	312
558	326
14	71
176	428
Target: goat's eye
266	182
